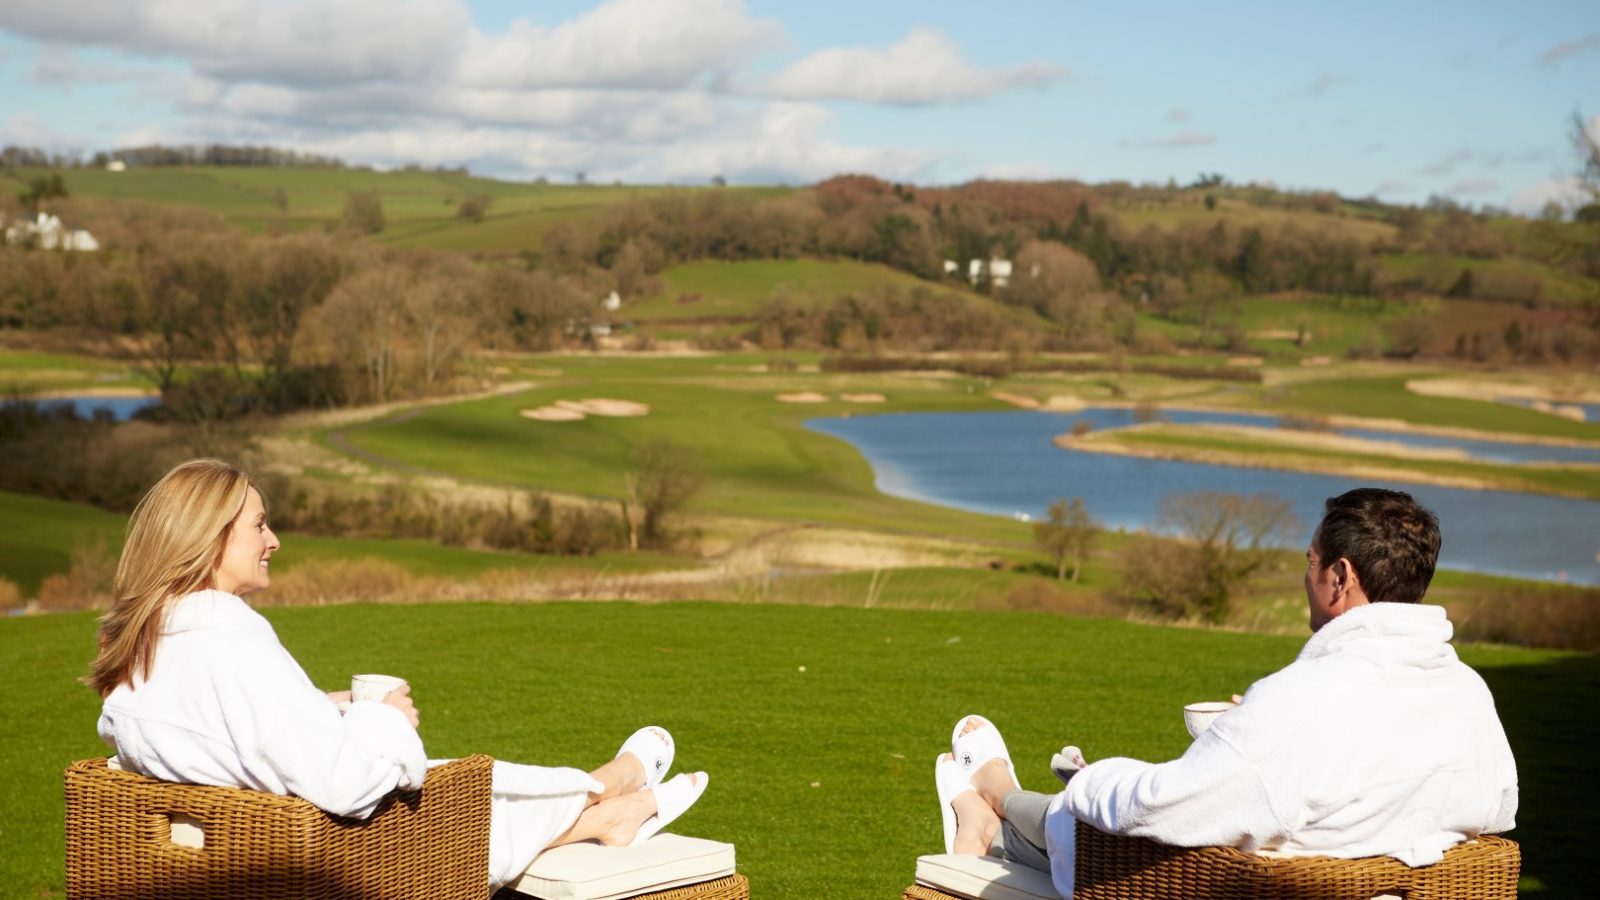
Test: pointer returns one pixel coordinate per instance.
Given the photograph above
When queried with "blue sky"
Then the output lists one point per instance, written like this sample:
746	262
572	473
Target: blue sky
1403	100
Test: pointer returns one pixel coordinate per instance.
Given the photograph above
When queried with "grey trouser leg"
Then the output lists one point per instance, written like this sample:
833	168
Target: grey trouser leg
1021	835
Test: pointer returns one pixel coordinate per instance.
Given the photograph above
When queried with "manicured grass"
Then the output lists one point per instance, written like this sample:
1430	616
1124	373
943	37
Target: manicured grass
38	536
1387	398
1206	445
758	459
818	726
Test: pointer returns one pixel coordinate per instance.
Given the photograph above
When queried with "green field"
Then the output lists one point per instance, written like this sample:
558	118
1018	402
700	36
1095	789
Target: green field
714	289
39	536
1203	444
759	459
419	206
1190	210
818	726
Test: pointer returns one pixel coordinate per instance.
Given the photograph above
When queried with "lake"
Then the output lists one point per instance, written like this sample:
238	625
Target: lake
1004	463
119	408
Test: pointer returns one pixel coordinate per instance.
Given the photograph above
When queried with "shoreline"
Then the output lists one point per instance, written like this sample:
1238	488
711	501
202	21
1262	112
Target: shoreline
1396	426
1244	459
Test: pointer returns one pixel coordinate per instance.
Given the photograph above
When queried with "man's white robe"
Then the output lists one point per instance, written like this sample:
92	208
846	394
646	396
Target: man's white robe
1376	741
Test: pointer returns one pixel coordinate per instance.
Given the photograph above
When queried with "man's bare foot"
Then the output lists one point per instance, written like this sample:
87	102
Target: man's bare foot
976	824
992	780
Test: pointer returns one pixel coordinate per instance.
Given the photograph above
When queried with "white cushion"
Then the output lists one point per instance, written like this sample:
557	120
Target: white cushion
591	872
984	878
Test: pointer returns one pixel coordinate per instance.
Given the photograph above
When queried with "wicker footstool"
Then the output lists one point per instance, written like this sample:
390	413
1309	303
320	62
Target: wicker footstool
732	887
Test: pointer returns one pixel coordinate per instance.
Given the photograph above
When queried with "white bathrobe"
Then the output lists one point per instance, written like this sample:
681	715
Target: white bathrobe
225	704
1375	741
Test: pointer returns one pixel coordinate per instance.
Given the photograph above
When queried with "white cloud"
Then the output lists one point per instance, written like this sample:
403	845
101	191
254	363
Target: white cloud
1474	186
1177	114
1587	44
1391	186
303	42
780	143
647	44
1532	199
926	67
1181	141
1448	163
648	90
1023	171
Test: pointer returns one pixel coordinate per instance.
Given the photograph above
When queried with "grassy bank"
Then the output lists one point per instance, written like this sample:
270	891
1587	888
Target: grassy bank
818	725
1270	450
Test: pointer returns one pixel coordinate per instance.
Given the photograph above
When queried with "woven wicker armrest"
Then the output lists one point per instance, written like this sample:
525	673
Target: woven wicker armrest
430	843
1123	868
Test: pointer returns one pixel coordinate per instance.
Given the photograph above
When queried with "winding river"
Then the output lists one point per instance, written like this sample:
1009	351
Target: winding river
1004	463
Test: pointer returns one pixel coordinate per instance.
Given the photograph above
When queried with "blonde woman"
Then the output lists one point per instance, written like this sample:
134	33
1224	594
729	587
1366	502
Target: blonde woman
198	689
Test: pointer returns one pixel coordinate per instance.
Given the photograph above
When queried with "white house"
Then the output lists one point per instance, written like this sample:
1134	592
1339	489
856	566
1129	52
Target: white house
48	233
116	165
611	303
999	271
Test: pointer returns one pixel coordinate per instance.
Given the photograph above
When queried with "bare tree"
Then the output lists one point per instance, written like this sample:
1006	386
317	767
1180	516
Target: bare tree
1068	532
1223	541
665	476
366	316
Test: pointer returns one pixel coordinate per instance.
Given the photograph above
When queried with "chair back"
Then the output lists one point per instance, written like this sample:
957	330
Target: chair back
120	840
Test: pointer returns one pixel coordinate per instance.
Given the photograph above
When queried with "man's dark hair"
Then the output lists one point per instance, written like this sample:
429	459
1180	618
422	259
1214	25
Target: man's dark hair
1390	539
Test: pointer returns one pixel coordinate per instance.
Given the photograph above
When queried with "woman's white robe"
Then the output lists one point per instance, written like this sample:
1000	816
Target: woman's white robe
226	705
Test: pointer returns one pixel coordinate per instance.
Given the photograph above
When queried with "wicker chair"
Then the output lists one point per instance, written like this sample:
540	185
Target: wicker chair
430	843
1122	868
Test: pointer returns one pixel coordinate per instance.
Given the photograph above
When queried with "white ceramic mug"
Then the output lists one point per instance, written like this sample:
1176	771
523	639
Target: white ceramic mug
373	687
1197	717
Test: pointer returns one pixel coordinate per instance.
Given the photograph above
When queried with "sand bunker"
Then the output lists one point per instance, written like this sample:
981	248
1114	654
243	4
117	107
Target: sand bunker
863	398
1053	403
552	414
803	397
573	410
601	406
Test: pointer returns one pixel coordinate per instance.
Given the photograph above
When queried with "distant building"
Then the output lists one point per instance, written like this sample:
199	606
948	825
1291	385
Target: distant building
116	165
612	302
998	271
47	233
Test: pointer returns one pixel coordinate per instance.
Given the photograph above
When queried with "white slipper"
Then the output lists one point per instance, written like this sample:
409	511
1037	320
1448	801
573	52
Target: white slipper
978	746
673	798
951	783
652	746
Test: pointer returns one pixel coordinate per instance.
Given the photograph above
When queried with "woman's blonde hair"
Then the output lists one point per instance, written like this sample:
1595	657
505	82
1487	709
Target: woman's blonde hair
175	541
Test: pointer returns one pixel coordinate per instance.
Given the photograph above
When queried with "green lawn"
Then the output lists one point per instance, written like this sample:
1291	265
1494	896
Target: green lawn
1387	398
1233	448
759	459
818	726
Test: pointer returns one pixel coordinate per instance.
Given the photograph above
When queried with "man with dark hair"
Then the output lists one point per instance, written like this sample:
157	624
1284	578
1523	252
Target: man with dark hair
1376	740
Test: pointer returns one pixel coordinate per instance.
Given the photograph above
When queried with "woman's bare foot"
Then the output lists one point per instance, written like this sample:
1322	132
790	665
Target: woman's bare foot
623	775
976	824
613	821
